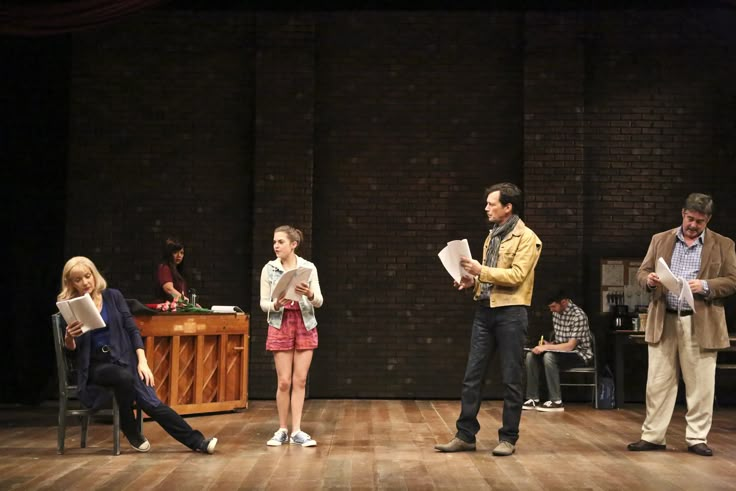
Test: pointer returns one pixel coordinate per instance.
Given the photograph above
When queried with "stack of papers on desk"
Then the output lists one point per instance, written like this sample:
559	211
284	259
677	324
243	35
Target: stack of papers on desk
554	350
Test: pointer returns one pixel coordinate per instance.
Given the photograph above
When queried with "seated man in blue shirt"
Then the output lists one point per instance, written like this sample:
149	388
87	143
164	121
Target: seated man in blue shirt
571	348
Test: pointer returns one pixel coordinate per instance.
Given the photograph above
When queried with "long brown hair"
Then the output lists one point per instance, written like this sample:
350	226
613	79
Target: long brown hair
171	246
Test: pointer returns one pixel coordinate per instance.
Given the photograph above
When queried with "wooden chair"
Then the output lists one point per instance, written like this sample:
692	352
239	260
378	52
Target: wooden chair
590	370
68	390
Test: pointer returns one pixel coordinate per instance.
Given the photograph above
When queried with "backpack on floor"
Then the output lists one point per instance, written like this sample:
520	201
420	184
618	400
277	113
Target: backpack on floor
606	390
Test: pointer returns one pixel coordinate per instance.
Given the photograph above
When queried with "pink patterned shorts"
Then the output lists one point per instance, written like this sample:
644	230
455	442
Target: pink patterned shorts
292	334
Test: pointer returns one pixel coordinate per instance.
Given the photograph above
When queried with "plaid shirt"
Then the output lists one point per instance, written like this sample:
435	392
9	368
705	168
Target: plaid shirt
685	264
572	323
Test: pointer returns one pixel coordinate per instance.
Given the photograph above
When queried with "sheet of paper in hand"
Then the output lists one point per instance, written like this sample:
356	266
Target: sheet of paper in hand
288	282
450	257
675	284
81	309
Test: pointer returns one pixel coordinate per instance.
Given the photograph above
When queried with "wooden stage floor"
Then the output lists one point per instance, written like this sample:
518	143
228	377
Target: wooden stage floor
370	444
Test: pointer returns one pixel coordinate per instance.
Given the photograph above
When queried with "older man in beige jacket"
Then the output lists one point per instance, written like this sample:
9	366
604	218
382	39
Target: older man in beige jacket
681	336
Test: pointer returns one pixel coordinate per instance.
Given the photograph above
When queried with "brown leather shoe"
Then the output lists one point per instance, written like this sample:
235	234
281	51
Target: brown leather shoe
645	446
455	445
701	449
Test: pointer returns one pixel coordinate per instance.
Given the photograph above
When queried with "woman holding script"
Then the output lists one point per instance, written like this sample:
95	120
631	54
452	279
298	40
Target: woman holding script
292	329
112	356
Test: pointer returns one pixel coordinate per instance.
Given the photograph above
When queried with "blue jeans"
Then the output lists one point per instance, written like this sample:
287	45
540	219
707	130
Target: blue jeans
501	329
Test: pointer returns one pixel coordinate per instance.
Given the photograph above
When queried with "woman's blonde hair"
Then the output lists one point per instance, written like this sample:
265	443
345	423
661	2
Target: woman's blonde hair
67	289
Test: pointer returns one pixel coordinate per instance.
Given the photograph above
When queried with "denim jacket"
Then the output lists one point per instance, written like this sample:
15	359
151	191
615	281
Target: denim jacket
270	275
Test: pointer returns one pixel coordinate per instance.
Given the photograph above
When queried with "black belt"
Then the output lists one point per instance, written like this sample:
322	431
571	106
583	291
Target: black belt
682	313
101	353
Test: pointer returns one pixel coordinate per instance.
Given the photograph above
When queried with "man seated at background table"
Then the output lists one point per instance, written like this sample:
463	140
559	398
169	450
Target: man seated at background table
571	348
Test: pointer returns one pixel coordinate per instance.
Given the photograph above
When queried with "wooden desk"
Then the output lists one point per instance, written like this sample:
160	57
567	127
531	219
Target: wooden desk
199	361
637	337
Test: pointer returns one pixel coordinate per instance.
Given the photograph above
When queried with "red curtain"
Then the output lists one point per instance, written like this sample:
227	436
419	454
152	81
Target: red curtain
44	19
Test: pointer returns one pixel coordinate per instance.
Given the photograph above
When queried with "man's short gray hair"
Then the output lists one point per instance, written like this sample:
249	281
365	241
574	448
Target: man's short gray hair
702	203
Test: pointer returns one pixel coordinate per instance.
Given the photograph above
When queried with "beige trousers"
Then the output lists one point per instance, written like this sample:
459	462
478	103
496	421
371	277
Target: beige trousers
678	350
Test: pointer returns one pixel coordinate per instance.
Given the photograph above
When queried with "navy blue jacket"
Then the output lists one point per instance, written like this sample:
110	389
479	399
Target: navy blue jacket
125	338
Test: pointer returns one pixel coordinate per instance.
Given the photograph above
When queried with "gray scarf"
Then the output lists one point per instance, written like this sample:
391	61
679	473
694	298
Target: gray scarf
498	233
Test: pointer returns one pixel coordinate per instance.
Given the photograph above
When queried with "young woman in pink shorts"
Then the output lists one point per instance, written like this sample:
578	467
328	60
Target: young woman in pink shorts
292	332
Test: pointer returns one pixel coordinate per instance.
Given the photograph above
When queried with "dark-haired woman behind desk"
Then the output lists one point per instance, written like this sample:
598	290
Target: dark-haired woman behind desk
170	275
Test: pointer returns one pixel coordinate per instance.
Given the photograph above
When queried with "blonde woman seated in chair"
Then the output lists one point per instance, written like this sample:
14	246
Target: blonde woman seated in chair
571	348
113	357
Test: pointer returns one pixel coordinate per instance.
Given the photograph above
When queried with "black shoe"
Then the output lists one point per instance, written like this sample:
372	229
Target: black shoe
530	404
645	446
701	449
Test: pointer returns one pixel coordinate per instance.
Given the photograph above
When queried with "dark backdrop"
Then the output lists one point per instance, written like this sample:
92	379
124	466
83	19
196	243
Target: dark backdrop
376	133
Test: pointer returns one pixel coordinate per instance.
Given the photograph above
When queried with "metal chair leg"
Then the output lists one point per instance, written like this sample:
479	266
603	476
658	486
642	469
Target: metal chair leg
85	425
115	427
595	390
61	431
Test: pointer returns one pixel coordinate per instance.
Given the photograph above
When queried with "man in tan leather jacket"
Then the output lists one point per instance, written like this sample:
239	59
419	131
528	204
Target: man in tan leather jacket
681	336
503	287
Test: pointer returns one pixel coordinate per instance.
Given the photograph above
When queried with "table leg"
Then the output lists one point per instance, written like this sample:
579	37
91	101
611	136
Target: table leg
620	383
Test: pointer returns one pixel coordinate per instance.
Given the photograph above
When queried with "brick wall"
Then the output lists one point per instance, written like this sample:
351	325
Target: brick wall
376	133
283	160
161	144
417	113
554	163
656	130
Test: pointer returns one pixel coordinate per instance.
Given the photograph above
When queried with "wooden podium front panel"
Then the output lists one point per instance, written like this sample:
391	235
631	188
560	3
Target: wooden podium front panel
235	386
158	352
186	355
199	362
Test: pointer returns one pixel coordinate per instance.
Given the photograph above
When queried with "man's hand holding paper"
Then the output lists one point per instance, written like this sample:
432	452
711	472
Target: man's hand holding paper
666	278
465	282
696	286
470	265
653	280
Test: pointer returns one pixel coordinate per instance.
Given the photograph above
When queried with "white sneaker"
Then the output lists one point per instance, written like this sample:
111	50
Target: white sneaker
303	439
530	404
278	438
208	446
